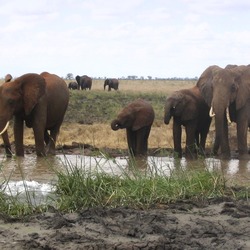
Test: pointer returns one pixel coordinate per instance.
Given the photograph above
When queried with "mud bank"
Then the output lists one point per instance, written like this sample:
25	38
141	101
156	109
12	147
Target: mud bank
213	224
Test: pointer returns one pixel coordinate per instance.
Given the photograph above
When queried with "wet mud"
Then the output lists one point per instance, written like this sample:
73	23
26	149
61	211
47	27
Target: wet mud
211	224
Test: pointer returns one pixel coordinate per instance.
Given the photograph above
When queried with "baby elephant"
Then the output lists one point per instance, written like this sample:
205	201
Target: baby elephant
137	118
188	108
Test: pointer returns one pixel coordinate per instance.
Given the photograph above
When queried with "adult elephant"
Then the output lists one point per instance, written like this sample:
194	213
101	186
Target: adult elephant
39	100
84	82
73	85
137	118
112	83
188	109
228	89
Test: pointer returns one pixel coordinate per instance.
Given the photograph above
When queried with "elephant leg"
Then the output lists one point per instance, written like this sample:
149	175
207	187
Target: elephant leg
131	140
242	126
142	141
7	146
52	139
190	141
18	135
177	131
221	138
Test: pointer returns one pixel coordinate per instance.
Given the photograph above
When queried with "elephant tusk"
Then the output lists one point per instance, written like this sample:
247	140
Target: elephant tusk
5	128
228	116
211	112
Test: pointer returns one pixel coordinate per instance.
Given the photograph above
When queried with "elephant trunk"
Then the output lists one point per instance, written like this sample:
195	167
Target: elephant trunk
115	125
221	129
167	118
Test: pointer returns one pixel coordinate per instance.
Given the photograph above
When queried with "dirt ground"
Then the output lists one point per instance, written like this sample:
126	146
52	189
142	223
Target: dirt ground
213	224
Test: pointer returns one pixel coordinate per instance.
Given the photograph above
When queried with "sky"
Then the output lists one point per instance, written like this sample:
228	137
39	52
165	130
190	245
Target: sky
119	38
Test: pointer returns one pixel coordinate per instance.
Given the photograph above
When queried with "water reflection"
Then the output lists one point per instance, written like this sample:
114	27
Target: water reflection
38	173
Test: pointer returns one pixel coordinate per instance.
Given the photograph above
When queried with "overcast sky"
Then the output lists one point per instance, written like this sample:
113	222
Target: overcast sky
115	38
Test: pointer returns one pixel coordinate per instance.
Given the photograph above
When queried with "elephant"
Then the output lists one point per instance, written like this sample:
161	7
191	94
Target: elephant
228	89
8	78
188	109
84	82
137	118
41	102
73	85
112	83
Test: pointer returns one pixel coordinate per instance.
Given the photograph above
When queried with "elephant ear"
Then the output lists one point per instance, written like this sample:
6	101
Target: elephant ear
191	110
143	118
33	88
244	89
206	88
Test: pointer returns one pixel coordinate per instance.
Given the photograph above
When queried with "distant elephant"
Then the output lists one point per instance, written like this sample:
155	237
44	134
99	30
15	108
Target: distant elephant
188	109
73	85
228	89
39	100
112	83
84	82
137	118
8	78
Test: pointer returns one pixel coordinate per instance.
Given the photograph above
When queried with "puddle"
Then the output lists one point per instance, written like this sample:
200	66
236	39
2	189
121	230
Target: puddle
31	175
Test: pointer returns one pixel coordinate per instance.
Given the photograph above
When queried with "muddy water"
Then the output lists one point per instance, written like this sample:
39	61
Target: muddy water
38	174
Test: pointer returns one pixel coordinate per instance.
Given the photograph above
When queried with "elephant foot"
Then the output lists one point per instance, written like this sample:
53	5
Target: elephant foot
245	157
225	156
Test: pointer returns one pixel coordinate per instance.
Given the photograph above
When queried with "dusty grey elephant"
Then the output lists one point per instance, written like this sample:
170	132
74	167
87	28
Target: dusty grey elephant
38	100
188	109
137	118
84	82
228	89
112	83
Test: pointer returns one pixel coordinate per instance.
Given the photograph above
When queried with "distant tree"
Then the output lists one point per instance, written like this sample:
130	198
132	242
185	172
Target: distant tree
69	76
150	77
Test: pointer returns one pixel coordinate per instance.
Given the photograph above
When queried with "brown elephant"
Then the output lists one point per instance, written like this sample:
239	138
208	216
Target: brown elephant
228	89
84	82
39	100
188	109
112	83
137	118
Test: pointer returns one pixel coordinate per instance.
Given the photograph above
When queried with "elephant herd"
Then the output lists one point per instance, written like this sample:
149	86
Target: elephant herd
85	83
41	100
222	93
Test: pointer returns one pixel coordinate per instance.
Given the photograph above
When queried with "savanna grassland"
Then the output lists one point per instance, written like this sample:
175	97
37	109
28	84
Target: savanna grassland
87	120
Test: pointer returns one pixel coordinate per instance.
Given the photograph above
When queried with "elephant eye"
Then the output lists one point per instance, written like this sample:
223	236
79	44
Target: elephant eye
233	88
11	101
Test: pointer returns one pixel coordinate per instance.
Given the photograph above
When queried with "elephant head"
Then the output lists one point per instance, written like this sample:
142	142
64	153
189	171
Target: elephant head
20	96
106	83
222	89
8	78
136	115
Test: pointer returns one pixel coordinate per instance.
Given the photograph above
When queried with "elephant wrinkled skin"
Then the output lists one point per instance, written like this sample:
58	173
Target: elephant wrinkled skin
39	100
188	109
137	118
224	88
